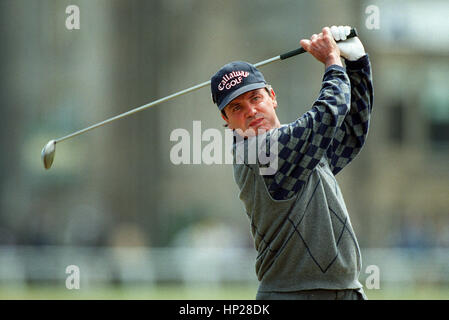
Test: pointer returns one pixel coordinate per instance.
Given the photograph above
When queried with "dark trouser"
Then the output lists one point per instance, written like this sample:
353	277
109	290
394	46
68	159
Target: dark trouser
350	294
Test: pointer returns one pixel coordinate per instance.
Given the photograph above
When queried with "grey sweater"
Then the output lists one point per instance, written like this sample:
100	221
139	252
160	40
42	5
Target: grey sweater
299	221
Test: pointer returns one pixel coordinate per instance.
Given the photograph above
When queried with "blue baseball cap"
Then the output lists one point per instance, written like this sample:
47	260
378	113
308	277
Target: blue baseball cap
234	79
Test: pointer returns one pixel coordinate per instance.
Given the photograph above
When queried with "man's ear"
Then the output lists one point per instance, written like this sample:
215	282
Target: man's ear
273	97
225	118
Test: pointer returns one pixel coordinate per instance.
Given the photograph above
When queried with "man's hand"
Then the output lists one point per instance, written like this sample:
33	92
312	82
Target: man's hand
350	49
323	47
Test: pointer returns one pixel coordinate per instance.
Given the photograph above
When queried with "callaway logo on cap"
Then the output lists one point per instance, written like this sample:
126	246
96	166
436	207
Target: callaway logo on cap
234	79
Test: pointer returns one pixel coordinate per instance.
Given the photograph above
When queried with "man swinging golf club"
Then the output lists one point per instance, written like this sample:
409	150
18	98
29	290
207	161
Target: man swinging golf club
307	248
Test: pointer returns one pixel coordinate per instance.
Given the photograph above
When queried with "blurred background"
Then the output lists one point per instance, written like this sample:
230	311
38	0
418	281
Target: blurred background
140	227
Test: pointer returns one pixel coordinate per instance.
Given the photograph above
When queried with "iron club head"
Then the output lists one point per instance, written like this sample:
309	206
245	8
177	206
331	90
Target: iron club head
48	153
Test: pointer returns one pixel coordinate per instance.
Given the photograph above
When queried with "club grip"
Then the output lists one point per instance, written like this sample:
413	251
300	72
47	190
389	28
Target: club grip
300	50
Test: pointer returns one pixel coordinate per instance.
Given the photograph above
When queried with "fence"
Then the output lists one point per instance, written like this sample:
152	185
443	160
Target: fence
21	265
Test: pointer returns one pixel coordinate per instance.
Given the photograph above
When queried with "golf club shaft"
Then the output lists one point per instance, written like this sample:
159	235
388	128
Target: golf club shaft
152	104
182	92
145	106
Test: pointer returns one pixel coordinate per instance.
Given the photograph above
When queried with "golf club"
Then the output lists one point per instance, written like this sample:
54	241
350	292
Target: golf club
48	152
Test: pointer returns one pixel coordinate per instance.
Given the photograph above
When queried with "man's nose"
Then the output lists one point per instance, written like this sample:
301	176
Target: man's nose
251	111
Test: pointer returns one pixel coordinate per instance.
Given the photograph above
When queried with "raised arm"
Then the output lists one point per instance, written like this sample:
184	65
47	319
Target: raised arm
305	141
352	134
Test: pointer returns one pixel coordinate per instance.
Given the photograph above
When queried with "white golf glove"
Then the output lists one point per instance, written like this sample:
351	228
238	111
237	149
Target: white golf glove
350	49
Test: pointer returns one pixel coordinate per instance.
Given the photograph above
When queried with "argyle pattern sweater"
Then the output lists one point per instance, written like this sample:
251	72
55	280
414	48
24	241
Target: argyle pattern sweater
299	221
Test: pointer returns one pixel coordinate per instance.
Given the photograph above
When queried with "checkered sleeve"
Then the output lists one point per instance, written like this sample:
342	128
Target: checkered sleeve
351	135
302	143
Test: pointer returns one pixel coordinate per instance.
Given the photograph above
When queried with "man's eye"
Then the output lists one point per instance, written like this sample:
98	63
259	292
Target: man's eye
236	108
256	98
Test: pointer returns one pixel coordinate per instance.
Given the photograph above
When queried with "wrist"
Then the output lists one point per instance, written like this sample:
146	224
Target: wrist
333	59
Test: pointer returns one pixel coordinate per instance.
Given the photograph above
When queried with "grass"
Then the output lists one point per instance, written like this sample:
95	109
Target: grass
197	292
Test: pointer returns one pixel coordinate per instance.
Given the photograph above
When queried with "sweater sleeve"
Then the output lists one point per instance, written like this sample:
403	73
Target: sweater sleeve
351	135
304	142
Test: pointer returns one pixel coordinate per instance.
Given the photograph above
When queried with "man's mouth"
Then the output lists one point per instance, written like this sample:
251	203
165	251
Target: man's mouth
256	122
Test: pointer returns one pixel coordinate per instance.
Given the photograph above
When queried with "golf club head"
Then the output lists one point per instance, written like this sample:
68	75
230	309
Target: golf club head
48	154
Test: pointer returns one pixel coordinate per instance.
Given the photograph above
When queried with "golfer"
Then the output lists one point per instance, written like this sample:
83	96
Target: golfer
307	248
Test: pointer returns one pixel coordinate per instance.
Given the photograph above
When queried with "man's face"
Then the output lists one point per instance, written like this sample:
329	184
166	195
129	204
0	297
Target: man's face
253	110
